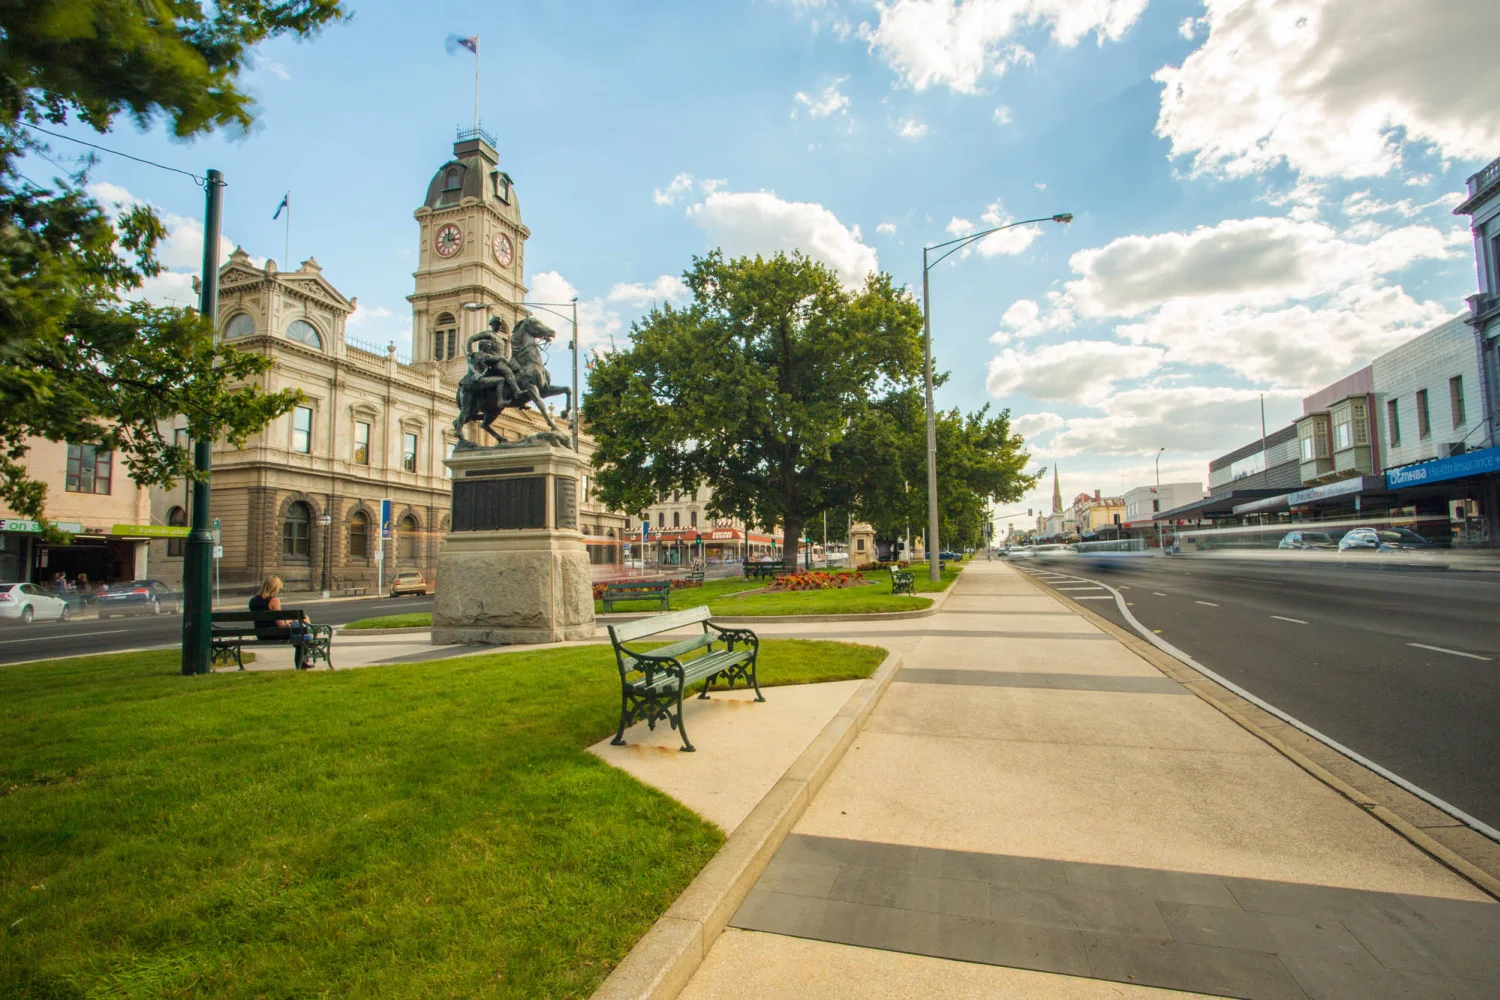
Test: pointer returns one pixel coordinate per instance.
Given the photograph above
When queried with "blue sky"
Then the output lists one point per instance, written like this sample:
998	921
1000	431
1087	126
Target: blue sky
1262	191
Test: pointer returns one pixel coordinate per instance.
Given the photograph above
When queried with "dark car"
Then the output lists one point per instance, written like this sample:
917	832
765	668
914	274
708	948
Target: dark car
138	597
1304	540
1384	540
948	556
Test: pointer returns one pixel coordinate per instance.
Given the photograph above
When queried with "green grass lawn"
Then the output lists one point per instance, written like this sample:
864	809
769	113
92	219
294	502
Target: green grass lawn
412	619
416	830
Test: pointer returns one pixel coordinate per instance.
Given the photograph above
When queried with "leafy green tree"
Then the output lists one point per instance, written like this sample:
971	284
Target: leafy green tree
77	362
980	462
751	389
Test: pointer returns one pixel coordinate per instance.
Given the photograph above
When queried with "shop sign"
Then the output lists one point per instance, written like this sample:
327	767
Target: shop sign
150	531
19	524
1474	463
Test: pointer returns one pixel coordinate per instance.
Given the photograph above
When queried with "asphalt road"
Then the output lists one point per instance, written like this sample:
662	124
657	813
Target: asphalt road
87	635
1402	667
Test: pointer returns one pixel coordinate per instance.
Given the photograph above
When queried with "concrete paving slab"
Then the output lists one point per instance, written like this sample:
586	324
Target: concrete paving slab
1250	814
743	747
1058	716
1067	656
749	965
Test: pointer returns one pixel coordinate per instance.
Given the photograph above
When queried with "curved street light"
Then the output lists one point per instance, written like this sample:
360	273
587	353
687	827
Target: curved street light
934	548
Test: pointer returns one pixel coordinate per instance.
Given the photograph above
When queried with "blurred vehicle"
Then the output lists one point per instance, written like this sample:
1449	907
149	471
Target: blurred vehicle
1387	540
408	583
138	597
25	602
1315	540
947	555
1052	551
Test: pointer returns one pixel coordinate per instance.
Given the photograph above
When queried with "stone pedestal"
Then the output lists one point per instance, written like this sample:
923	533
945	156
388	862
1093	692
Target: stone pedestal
513	568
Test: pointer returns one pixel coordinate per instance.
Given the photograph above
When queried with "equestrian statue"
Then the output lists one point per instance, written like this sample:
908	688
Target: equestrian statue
495	383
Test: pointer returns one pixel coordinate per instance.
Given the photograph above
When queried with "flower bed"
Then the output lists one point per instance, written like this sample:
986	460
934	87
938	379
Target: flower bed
817	580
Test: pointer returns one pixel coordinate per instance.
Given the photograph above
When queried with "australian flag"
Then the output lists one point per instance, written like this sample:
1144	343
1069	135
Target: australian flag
456	42
285	205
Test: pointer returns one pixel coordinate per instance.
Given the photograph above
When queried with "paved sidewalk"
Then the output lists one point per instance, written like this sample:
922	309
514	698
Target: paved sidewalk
1035	811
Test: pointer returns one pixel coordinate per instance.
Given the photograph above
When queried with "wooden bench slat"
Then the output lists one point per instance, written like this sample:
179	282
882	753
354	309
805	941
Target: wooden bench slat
626	631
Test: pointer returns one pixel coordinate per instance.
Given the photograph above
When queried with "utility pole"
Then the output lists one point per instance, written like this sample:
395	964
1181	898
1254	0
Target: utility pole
577	389
934	563
197	566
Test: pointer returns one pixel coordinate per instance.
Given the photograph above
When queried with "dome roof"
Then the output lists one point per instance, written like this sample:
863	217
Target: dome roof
474	172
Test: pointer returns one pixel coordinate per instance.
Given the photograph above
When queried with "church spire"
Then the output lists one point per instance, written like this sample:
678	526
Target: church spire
1056	493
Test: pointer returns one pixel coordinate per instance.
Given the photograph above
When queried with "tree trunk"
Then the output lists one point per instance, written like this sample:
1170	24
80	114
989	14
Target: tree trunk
791	538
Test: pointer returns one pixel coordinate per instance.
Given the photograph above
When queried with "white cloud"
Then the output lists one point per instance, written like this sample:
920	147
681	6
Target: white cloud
909	128
830	102
277	70
180	253
680	185
1078	371
1257	262
596	322
1002	115
363	314
667	286
1206	420
1334	88
886	229
1025	319
1009	241
957	44
1032	425
1189	27
759	222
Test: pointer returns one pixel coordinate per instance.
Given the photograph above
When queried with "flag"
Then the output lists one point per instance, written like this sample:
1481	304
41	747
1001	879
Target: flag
456	42
286	205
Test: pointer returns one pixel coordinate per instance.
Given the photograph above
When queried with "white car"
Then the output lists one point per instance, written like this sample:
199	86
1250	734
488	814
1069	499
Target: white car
24	602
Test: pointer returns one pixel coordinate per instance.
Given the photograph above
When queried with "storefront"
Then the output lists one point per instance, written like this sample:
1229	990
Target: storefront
1464	489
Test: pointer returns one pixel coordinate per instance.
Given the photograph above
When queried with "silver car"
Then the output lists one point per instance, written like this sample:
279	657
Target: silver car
26	602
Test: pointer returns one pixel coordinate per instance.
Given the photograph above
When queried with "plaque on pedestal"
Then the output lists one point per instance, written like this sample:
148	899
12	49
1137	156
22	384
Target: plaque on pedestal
513	568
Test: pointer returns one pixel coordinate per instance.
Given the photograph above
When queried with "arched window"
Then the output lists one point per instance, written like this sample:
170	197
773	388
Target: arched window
444	337
452	180
304	332
661	519
407	548
676	519
359	535
693	518
240	325
177	518
296	532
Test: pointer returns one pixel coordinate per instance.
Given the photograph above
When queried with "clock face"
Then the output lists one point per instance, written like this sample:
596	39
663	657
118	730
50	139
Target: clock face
448	240
505	251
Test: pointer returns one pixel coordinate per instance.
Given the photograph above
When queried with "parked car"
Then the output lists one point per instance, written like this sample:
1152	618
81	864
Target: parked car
26	602
947	556
408	583
1316	540
138	597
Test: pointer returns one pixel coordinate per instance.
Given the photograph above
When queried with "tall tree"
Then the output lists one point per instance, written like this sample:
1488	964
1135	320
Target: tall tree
980	461
751	389
77	362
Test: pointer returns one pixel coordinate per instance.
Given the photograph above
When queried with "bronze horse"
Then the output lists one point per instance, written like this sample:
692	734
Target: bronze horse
485	393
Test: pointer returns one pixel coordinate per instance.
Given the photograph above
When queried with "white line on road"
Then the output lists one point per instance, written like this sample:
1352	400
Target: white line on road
1155	594
1284	618
1292	720
1450	652
51	638
1210	604
1106	597
1076	588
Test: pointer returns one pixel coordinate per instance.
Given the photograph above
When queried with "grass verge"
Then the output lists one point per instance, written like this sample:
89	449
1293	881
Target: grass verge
412	619
420	830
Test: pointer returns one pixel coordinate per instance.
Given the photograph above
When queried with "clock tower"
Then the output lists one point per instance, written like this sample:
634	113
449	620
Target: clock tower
472	247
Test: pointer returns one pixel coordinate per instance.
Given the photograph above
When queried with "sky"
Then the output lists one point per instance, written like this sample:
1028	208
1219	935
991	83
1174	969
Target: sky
1262	192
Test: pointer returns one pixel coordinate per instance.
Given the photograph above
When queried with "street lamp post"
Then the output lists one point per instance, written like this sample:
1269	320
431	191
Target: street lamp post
1158	498
934	549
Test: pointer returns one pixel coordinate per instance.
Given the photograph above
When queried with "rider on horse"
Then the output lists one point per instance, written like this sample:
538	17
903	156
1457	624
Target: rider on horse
488	364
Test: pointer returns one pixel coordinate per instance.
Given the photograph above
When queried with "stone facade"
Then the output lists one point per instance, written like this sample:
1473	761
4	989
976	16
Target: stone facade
373	425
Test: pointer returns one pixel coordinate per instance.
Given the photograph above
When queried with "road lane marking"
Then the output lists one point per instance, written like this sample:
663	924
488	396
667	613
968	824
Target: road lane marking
1106	597
1210	604
1153	636
74	635
1155	594
1075	588
1297	621
1450	652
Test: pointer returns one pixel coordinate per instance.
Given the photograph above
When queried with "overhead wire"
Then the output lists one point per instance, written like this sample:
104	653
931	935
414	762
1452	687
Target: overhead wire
200	181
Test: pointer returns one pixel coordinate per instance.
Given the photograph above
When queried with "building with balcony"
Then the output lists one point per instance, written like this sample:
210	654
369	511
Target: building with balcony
1336	434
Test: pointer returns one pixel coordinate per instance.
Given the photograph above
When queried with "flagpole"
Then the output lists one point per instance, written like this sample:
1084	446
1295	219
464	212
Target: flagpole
476	83
287	240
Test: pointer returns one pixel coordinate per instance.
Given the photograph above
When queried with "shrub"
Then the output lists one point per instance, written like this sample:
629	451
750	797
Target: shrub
817	580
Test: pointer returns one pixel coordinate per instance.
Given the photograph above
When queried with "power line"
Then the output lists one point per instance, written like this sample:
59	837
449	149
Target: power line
114	152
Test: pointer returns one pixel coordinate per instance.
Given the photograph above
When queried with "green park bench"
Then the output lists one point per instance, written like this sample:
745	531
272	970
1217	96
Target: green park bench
902	581
763	570
695	576
230	630
652	682
638	590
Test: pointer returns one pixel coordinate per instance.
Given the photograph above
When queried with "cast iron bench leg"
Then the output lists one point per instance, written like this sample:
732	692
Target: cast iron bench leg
619	739
687	747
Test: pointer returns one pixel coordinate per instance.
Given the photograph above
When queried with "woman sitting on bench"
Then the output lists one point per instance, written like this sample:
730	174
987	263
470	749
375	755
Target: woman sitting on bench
267	600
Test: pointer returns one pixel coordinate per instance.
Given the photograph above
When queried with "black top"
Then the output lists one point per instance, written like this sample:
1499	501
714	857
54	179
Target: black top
264	630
